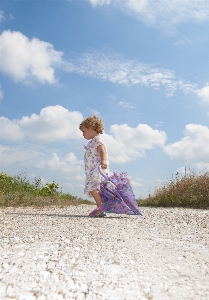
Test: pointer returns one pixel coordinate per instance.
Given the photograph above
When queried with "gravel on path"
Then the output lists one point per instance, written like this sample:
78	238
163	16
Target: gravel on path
60	253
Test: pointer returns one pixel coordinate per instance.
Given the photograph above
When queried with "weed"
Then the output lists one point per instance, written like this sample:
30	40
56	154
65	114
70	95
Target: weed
18	191
190	190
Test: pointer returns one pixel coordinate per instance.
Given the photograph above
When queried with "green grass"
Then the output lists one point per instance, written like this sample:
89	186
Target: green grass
191	191
17	191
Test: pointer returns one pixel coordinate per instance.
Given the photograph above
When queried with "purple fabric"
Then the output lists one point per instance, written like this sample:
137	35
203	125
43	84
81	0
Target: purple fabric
119	198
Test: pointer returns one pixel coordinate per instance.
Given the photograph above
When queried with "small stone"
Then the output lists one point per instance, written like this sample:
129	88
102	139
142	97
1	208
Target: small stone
45	273
59	296
27	296
41	297
51	265
70	284
5	265
62	263
55	277
10	291
170	267
80	296
84	288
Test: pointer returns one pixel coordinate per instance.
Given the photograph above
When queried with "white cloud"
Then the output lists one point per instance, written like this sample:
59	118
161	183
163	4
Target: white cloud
1	93
141	137
204	94
127	143
100	2
26	60
69	164
159	124
162	13
125	104
136	182
183	42
55	123
1	15
112	97
193	148
118	152
25	156
21	155
92	111
10	130
116	69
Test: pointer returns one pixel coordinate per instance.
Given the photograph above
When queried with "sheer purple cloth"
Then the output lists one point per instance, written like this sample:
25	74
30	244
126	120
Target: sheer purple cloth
117	194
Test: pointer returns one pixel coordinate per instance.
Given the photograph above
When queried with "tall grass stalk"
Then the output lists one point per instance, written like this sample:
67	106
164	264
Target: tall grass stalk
190	190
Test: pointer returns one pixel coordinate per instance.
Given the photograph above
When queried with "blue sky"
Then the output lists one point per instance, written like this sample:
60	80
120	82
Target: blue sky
141	66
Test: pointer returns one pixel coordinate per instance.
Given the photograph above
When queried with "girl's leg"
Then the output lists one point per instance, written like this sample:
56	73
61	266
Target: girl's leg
99	212
97	197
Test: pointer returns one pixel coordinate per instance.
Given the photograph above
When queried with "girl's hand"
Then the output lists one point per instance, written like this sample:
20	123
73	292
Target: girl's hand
104	164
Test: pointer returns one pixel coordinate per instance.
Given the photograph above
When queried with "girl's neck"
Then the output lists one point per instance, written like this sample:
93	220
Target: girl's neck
95	135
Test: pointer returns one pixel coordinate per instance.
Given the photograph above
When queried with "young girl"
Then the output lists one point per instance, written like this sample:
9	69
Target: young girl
95	155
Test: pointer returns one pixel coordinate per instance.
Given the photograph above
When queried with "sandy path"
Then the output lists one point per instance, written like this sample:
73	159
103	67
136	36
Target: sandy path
60	253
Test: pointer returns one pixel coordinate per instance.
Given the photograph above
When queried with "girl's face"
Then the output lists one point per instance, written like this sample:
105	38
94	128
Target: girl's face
88	133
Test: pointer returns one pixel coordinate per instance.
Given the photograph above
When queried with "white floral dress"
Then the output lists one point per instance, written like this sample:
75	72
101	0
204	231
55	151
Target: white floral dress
92	160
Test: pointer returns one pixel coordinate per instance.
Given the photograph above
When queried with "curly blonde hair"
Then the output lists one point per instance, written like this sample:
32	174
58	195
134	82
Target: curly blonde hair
93	122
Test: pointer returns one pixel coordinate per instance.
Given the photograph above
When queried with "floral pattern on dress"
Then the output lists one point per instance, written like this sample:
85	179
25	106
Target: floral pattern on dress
92	160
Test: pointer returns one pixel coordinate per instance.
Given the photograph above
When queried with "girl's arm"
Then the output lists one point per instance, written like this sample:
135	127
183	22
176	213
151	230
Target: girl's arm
103	156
